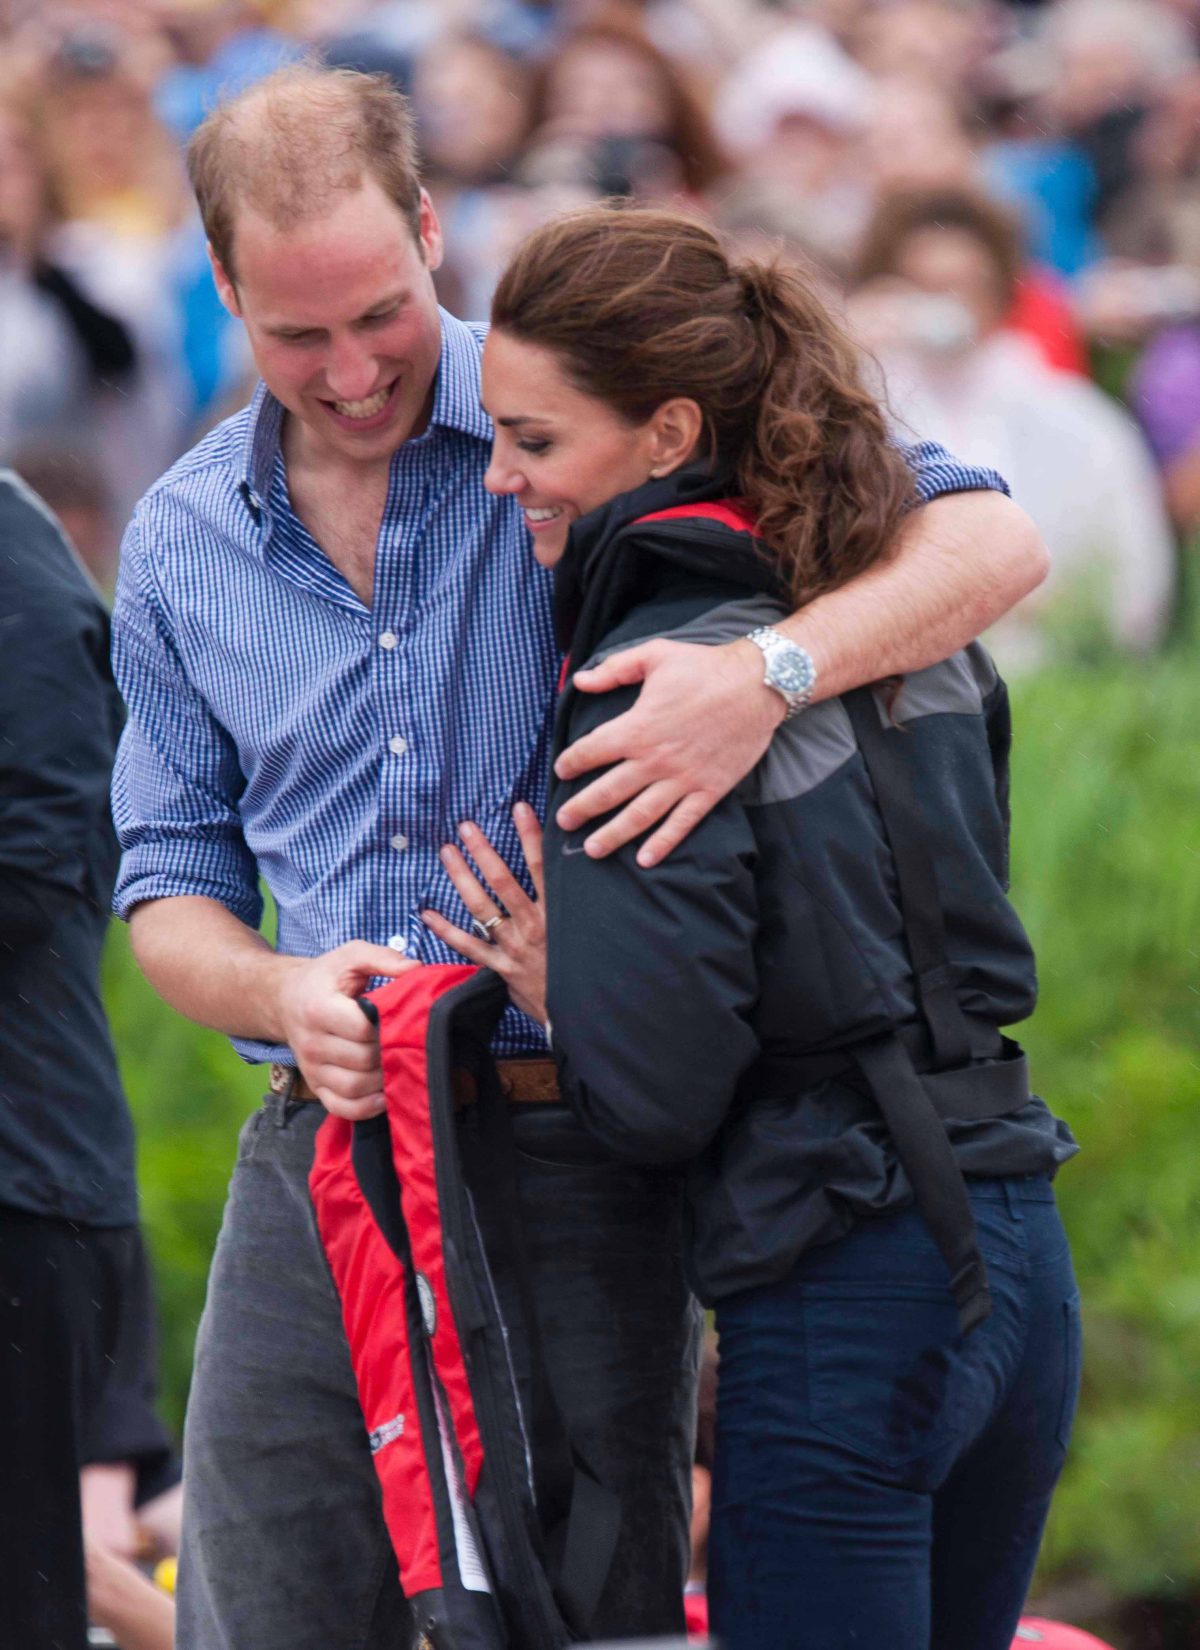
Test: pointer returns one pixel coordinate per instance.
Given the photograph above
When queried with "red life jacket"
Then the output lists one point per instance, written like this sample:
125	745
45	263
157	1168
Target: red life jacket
428	1344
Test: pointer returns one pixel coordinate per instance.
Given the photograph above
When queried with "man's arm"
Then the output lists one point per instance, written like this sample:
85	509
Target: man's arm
215	970
960	563
189	884
210	966
704	717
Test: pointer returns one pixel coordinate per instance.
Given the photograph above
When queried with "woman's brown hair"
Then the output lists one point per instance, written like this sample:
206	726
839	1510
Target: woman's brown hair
642	306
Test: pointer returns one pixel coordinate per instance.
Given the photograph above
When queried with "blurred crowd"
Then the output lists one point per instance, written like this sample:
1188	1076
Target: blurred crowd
1003	198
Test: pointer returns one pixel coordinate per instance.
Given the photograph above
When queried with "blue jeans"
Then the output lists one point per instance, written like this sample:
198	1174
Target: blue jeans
880	1482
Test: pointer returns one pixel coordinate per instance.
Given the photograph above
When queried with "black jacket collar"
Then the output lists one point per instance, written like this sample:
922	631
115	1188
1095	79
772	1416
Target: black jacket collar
611	555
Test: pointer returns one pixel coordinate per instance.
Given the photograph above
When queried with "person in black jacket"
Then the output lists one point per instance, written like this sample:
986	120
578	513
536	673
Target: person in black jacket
803	1005
69	1243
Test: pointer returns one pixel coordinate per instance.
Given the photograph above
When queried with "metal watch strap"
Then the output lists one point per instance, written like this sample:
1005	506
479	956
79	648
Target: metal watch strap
788	668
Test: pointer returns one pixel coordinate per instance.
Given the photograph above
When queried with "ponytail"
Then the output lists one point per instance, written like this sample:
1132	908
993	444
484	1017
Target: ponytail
818	470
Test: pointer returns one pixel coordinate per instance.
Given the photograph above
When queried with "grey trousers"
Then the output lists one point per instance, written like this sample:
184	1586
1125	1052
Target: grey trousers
284	1545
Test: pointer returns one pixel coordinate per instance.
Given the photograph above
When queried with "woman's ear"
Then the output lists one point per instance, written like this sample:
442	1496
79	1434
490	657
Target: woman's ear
675	431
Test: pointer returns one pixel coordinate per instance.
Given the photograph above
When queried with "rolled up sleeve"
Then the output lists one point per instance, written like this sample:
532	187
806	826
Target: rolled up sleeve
936	472
177	780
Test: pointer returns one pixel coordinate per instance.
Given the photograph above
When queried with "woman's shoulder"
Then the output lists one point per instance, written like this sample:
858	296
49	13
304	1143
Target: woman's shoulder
691	610
812	747
809	749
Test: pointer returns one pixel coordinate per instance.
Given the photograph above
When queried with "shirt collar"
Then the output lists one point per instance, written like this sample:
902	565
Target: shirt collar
260	445
456	392
455	407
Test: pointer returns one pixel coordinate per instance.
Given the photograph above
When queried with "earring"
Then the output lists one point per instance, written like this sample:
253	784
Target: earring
657	475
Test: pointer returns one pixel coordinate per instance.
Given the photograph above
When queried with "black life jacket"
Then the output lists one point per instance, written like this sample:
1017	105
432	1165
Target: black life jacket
946	1065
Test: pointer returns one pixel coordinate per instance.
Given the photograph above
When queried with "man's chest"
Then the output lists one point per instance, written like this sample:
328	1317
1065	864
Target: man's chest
343	523
441	689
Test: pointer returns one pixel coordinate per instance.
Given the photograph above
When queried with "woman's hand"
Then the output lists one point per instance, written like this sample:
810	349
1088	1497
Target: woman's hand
517	948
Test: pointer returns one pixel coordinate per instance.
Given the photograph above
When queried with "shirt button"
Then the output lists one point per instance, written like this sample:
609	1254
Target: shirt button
397	745
399	843
398	942
387	640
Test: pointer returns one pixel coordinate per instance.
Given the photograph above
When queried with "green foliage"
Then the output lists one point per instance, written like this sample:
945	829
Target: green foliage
189	1094
1106	838
1107	877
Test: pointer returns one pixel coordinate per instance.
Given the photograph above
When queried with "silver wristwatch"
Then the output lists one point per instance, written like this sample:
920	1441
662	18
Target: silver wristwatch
787	667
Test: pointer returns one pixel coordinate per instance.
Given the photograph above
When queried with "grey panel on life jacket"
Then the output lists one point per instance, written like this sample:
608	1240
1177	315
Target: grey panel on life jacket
805	752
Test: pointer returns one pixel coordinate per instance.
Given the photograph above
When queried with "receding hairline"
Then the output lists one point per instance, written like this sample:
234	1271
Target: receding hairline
295	140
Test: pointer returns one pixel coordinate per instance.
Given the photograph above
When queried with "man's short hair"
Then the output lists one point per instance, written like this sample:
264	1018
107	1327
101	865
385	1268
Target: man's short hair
291	142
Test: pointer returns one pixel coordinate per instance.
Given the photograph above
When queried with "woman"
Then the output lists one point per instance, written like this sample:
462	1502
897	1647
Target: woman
803	1003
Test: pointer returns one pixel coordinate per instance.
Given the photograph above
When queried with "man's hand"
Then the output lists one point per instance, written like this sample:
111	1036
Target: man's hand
336	1046
704	716
703	719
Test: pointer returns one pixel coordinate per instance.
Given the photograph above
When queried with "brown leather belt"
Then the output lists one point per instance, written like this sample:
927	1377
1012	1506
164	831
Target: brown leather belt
528	1082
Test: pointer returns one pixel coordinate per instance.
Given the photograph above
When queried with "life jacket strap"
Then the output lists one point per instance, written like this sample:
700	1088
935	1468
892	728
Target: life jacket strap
920	901
912	1107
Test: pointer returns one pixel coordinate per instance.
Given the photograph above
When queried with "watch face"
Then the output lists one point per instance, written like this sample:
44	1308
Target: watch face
790	670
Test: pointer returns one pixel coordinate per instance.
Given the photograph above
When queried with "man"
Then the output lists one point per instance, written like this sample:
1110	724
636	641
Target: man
335	648
68	1202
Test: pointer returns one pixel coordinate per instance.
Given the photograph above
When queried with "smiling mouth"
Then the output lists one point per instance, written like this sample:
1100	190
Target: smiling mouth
370	408
540	516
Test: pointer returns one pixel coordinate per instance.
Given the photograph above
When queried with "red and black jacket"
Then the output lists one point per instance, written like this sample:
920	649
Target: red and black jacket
494	1550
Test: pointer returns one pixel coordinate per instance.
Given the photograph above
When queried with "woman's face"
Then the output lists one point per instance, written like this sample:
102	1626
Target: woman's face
560	452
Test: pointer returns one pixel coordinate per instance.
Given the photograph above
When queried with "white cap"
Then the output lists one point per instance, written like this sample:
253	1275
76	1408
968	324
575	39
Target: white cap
799	71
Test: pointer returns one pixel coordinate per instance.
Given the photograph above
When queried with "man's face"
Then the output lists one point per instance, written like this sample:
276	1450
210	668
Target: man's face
952	263
342	317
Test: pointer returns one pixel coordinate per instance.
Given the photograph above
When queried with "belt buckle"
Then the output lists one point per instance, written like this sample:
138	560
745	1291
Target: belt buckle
281	1079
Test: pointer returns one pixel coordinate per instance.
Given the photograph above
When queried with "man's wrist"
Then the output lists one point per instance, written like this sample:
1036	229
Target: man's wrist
788	668
278	972
751	661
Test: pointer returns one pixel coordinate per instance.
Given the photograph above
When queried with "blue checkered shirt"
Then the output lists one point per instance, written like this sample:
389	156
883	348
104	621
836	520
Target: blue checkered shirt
279	728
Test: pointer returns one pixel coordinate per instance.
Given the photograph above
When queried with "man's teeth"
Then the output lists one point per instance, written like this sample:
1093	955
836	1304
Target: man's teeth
364	409
544	515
